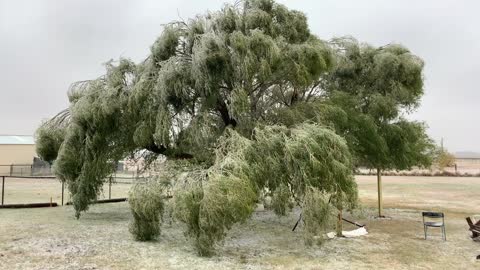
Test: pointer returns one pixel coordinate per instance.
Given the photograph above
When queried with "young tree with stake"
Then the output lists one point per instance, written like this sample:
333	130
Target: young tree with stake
369	93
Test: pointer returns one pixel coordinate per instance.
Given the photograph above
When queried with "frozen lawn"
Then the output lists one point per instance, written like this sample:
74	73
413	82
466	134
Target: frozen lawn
52	239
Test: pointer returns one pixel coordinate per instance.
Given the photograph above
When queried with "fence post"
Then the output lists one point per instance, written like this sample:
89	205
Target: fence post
11	169
31	170
3	188
63	190
110	188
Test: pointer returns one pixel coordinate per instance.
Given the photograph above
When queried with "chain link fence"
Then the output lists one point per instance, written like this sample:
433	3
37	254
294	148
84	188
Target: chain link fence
24	184
26	169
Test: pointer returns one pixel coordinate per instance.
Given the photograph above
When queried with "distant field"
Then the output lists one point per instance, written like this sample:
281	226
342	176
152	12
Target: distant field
459	194
34	190
52	238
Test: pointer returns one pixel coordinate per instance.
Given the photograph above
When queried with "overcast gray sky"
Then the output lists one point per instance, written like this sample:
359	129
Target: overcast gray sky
46	45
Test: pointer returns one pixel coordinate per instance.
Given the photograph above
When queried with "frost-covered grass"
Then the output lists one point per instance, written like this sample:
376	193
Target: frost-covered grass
52	238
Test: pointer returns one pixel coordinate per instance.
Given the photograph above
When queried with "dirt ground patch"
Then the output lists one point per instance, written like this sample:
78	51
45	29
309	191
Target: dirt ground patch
53	239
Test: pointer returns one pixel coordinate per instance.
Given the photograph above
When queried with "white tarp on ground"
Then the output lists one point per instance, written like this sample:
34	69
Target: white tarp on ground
349	234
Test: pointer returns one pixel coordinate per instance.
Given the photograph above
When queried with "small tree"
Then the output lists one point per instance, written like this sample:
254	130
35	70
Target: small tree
369	92
444	159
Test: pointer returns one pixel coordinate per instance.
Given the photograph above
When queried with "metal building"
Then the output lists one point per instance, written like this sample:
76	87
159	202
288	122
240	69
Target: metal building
17	150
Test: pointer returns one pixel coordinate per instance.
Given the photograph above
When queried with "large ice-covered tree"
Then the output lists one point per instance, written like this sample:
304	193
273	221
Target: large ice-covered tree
230	98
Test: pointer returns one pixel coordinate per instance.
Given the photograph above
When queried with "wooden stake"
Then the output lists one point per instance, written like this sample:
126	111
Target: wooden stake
339	217
110	188
3	188
380	197
63	190
339	224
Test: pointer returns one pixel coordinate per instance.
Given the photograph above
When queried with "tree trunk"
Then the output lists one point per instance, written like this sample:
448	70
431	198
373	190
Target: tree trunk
225	114
380	198
339	216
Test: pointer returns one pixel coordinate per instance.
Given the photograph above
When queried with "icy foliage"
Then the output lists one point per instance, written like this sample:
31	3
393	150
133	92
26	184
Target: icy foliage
244	102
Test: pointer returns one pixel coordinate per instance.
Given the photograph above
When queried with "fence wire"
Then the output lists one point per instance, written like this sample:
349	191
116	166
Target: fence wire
31	189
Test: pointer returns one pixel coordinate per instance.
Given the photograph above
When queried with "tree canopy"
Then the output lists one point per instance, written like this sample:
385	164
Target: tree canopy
244	102
369	92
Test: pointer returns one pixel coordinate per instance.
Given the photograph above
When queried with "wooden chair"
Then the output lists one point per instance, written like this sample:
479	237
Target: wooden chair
474	227
437	224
